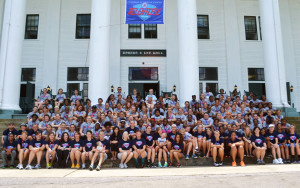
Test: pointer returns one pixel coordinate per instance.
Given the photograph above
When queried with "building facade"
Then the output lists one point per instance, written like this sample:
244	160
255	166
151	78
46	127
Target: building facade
86	45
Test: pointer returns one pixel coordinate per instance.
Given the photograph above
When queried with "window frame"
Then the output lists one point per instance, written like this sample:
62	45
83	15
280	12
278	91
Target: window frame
207	28
79	26
151	67
78	74
256	28
27	25
156	32
136	26
25	81
256	81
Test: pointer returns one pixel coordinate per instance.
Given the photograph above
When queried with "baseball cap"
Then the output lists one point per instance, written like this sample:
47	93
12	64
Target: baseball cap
271	125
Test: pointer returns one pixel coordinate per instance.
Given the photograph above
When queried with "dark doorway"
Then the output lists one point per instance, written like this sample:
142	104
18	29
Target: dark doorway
258	88
143	88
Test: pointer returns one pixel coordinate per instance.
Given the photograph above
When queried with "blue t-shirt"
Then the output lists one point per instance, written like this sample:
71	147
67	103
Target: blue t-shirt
125	145
178	146
7	132
171	136
76	144
24	144
130	130
89	145
64	144
209	138
230	141
217	142
258	140
139	143
199	135
281	137
292	137
37	144
10	145
105	143
272	136
52	144
149	138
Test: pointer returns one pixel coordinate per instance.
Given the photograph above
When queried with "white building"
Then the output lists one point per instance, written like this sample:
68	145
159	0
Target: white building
254	44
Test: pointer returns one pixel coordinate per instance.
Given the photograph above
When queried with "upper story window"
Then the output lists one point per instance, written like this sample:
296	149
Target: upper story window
203	26
28	74
208	73
78	74
150	31
32	26
134	31
256	74
83	26
251	27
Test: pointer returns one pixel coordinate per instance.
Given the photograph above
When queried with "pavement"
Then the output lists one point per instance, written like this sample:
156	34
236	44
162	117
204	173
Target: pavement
257	176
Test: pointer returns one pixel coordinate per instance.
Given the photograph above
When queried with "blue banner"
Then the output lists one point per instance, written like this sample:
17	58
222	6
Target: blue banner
145	12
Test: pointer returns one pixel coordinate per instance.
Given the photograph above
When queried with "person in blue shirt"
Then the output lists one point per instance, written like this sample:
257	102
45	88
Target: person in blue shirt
125	149
63	150
217	145
89	148
281	136
139	146
200	139
236	149
51	146
259	145
9	149
272	142
11	129
177	150
23	149
37	146
293	144
76	148
150	141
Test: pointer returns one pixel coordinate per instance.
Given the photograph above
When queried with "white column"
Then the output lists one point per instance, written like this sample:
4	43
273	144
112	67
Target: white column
11	53
99	50
188	50
272	53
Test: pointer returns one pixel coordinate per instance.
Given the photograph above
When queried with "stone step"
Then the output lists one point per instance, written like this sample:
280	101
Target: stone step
191	162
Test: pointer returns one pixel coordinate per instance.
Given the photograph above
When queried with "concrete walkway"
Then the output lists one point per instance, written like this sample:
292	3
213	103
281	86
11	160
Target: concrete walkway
146	172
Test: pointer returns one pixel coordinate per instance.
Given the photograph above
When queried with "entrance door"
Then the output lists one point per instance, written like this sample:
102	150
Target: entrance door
143	88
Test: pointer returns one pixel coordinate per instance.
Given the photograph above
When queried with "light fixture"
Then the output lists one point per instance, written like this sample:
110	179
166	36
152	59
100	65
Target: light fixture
235	87
174	88
292	88
48	88
112	88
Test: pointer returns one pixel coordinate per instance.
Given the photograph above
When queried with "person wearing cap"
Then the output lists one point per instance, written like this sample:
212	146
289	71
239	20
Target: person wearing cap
9	149
272	142
259	145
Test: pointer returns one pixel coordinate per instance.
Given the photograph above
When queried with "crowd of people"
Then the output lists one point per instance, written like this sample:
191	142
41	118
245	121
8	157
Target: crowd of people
127	126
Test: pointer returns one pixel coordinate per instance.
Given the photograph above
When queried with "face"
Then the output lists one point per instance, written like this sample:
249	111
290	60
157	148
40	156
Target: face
66	136
51	136
11	137
177	138
173	128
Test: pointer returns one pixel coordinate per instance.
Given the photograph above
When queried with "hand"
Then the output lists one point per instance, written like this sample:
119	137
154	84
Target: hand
8	151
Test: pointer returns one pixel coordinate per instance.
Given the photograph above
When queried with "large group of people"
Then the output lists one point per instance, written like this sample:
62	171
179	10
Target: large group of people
127	126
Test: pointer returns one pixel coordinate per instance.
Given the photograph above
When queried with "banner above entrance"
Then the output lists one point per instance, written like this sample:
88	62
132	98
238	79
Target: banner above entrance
145	12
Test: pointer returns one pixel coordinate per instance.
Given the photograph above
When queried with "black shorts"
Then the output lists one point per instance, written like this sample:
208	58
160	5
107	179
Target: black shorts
114	147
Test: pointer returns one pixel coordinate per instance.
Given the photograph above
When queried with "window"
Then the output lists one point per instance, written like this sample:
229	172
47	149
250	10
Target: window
28	74
250	28
259	21
134	31
32	26
150	31
83	26
209	78
143	73
256	74
78	74
203	26
208	73
256	78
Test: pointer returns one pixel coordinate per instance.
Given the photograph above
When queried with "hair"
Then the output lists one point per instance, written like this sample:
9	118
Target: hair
48	137
181	138
62	140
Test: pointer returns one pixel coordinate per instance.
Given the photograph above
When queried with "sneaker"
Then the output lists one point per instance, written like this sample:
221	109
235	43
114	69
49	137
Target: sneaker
83	166
21	167
28	167
207	155
37	166
178	165
242	163
263	162
121	165
294	162
171	164
153	166
48	166
18	166
288	161
165	165
195	156
159	165
233	163
298	161
216	165
73	165
259	162
275	161
91	167
280	161
12	166
77	166
221	164
125	165
98	168
196	149
187	157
